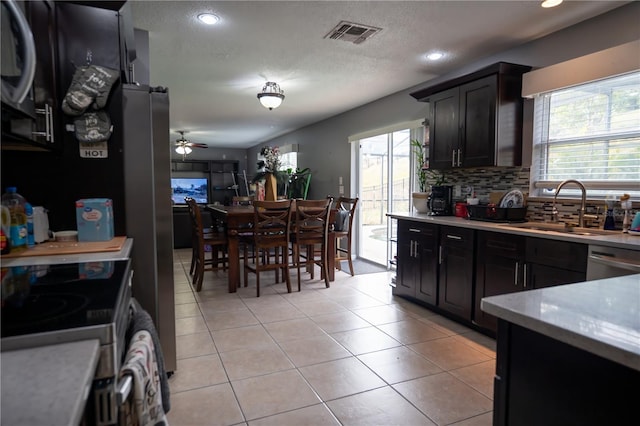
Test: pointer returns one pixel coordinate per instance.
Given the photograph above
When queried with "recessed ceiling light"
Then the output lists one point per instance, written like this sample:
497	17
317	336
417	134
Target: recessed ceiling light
435	56
209	18
550	3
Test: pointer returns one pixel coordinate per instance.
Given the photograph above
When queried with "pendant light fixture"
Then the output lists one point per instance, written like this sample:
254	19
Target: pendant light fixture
271	96
550	3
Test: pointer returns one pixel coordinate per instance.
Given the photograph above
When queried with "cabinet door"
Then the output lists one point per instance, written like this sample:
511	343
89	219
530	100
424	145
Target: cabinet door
456	271
443	129
499	270
478	122
540	276
407	267
427	257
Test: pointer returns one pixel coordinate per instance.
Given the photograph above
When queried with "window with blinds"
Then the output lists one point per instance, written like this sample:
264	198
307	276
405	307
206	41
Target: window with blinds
591	133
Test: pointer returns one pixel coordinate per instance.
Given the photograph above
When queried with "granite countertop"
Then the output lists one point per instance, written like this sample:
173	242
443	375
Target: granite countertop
47	385
600	316
613	239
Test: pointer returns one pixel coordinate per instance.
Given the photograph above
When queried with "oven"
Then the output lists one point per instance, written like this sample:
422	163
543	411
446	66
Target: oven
59	303
609	262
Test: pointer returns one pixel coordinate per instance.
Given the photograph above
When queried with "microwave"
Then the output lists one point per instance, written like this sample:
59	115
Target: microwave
18	64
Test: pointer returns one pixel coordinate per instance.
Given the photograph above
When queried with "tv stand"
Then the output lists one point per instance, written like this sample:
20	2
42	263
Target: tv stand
221	175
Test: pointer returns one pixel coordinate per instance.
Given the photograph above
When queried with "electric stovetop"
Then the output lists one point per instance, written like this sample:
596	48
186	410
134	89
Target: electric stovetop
50	300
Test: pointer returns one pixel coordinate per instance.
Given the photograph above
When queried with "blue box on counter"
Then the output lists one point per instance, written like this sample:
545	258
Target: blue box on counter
94	217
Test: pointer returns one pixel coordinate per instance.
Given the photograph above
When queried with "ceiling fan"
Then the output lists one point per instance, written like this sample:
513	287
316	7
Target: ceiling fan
183	146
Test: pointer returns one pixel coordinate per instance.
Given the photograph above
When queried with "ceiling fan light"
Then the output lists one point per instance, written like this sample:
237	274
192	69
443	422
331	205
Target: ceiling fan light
271	96
183	150
550	3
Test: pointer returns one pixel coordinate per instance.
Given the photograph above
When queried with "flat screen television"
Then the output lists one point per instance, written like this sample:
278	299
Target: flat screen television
197	188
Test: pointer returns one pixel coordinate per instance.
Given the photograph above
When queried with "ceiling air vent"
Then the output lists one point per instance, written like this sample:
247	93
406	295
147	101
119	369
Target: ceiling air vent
351	32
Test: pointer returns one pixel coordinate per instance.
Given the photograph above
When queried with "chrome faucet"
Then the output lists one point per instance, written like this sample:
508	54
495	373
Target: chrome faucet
581	212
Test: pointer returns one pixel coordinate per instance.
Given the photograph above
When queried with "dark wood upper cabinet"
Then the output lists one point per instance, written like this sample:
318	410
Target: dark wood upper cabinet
476	120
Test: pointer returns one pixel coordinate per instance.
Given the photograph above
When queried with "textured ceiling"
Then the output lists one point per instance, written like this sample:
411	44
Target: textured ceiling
215	72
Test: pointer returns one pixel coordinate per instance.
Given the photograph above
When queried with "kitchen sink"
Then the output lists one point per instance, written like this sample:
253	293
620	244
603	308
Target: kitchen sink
561	228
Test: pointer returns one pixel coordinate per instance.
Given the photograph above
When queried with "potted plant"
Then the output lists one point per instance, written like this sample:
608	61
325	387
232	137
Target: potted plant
420	197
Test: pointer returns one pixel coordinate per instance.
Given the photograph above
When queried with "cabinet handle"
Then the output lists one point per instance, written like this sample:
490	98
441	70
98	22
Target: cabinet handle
414	230
411	248
515	278
50	131
453	158
47	111
440	255
524	272
415	249
454	237
459	163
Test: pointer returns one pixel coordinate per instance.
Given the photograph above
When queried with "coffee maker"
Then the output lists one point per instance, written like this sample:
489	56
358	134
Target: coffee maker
440	200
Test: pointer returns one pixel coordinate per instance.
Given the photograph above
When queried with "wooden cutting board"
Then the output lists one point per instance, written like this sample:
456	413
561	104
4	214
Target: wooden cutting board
49	248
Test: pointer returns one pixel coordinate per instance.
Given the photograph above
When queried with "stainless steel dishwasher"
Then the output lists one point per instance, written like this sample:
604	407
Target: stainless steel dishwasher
608	262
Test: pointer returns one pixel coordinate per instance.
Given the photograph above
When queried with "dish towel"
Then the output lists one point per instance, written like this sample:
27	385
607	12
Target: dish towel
140	363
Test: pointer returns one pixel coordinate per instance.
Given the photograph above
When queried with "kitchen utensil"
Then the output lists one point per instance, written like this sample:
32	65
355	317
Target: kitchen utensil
512	199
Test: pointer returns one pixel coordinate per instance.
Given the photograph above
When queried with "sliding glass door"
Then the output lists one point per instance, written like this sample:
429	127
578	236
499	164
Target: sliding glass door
384	176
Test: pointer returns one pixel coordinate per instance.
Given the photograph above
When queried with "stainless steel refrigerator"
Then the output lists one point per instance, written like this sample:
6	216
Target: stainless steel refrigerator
147	175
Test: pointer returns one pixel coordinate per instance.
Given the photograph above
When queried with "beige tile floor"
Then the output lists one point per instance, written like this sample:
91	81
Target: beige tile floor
352	354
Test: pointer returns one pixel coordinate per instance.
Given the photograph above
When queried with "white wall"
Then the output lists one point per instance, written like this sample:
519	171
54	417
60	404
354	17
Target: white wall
323	146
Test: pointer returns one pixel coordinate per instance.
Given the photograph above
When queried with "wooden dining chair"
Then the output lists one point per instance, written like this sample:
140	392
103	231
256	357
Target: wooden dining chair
343	226
271	228
311	229
213	242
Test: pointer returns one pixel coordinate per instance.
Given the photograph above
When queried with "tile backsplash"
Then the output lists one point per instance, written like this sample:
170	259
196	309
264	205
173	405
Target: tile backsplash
485	180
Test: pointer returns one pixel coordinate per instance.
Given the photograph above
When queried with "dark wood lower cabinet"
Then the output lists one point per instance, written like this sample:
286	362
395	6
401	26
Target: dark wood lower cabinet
499	270
542	381
455	283
417	261
451	268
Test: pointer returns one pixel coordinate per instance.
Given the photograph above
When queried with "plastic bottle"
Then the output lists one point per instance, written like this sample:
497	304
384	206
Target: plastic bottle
5	243
31	241
18	229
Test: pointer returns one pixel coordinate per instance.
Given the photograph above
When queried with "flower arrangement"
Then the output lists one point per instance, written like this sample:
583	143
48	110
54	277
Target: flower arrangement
270	165
271	156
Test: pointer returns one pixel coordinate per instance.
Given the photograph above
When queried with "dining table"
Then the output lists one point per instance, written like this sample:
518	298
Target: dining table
237	220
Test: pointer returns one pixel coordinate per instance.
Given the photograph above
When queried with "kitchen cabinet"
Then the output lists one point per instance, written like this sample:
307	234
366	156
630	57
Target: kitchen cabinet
550	263
455	283
544	381
417	273
500	268
476	120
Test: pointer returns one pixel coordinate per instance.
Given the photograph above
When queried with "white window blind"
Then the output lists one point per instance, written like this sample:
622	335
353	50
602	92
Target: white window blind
589	132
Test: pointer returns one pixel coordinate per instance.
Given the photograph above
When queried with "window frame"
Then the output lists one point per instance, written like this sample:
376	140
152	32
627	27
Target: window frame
600	189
